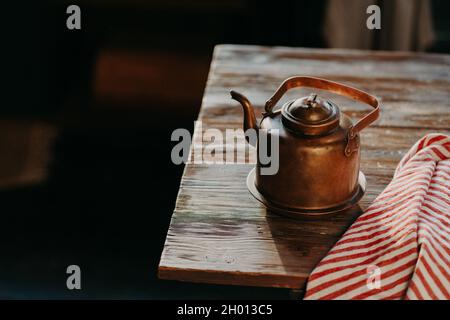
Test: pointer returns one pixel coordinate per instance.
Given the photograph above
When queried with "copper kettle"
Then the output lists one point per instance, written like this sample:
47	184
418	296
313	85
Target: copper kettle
319	150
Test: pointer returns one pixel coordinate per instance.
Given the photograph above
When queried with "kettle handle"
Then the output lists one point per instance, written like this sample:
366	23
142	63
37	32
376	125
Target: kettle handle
334	87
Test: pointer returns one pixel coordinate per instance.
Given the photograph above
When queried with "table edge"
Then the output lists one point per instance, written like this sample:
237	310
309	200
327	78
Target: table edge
236	278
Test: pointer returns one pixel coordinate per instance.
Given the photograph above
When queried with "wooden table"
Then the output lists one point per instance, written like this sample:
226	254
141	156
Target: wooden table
219	233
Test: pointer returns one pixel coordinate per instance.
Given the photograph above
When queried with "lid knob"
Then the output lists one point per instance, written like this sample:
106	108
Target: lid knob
310	115
311	99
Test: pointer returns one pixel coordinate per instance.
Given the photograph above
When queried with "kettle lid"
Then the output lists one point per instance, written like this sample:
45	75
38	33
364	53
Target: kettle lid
310	115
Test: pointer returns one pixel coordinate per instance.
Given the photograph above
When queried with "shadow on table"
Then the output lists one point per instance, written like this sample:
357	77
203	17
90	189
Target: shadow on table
301	244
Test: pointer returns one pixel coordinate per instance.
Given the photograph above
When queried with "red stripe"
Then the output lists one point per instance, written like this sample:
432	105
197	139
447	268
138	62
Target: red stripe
442	184
417	175
389	286
414	289
386	218
413	172
370	244
369	260
434	277
394	236
436	139
438	196
385	207
360	283
397	192
396	188
436	239
421	278
373	215
424	214
430	239
443	212
384	210
365	237
396	296
379	252
391	224
421	159
438	153
438	189
387	262
421	144
441	173
433	200
441	169
438	265
436	236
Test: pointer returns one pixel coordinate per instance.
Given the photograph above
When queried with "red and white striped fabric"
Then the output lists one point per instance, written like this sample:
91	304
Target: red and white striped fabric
400	247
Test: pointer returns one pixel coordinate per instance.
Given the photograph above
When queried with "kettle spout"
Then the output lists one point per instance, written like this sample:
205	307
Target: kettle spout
249	114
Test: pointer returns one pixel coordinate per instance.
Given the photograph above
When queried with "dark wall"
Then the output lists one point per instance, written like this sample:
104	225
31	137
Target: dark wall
55	66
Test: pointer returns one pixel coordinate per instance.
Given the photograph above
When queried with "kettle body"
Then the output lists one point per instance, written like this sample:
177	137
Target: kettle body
319	151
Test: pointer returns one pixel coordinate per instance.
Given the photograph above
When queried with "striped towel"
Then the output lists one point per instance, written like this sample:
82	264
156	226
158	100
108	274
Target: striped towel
400	247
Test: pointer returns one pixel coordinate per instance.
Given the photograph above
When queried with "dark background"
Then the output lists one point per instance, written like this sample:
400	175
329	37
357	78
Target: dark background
85	124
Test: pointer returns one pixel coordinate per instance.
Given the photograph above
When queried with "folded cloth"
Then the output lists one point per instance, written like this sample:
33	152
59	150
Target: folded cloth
399	248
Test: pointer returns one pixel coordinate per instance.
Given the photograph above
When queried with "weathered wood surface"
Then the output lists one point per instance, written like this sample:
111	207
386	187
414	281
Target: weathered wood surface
219	233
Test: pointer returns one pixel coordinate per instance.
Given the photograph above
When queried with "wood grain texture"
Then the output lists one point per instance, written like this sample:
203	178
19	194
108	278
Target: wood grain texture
219	233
